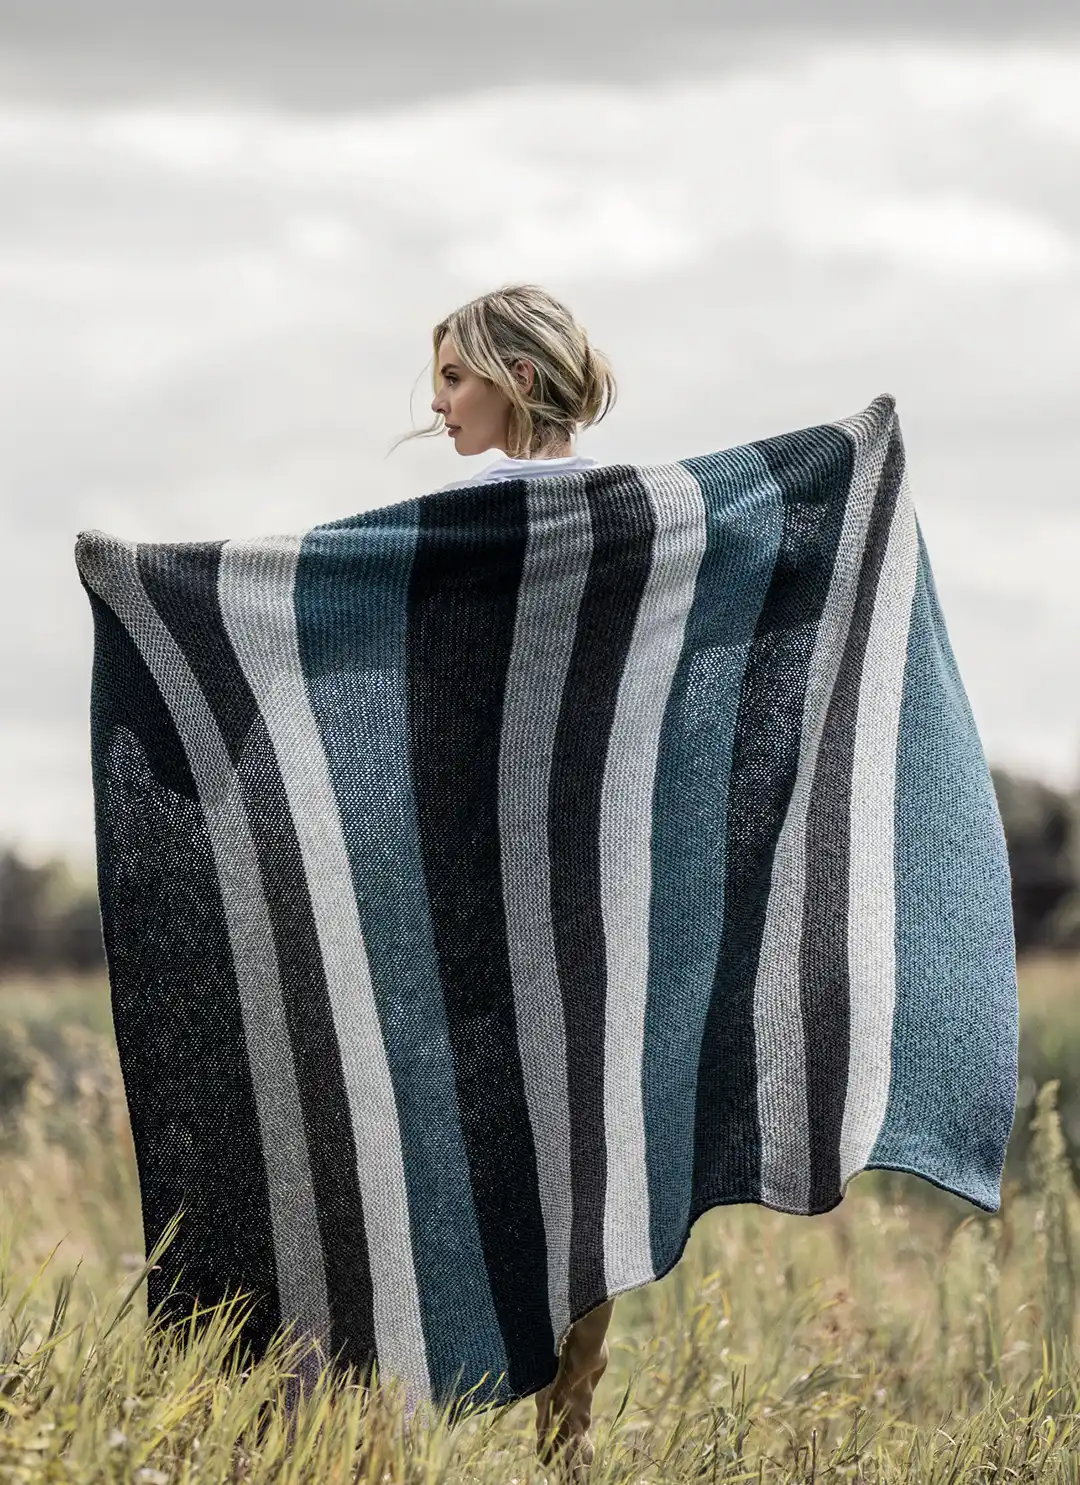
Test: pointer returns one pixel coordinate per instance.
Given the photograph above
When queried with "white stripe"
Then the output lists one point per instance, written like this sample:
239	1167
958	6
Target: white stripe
113	571
778	1029
256	591
872	906
557	555
626	822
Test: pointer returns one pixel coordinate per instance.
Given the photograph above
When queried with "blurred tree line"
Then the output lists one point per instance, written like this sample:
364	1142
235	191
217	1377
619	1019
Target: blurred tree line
50	922
49	919
1042	831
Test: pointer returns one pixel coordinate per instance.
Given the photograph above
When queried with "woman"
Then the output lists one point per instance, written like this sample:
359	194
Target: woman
514	371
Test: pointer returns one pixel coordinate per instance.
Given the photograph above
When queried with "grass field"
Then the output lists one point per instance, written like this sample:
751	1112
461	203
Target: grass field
902	1337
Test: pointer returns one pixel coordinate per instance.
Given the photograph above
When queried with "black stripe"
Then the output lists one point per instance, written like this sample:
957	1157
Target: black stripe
812	469
182	582
176	1010
825	985
623	527
461	609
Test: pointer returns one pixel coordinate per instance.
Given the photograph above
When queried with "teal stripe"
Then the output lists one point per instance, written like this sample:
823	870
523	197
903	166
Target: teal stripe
745	517
351	587
956	986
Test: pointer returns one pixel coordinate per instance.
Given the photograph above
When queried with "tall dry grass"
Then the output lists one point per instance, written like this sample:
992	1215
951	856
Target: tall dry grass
902	1337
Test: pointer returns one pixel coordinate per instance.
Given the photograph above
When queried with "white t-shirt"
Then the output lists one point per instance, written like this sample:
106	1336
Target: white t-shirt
515	469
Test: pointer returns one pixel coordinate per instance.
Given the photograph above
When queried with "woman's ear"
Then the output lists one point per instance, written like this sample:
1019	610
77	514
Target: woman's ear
523	372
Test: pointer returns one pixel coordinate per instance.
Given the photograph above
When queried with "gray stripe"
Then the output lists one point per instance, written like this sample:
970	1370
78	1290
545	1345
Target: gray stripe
256	582
626	823
778	1028
872	902
557	554
112	568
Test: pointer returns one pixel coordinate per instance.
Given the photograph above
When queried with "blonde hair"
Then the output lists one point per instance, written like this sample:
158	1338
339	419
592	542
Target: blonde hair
572	381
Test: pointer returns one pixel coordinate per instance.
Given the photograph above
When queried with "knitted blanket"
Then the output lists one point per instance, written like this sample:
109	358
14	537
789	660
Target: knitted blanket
492	883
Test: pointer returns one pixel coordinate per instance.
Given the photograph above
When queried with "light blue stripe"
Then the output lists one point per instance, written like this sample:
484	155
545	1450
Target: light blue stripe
954	1049
745	517
352	586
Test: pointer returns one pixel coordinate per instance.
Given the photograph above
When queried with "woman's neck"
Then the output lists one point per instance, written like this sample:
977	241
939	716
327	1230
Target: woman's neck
552	444
559	451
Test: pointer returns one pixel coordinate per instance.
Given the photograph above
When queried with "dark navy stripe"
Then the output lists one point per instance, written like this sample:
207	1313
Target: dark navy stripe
175	1001
825	990
813	471
182	583
462	604
623	527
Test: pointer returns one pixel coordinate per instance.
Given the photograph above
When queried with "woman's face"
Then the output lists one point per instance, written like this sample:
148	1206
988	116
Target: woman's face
477	414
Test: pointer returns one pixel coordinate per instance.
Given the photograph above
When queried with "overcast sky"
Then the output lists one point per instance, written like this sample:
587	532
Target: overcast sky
227	230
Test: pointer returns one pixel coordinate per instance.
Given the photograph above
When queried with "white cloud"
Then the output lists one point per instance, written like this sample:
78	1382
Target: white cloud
1033	558
940	234
892	156
321	238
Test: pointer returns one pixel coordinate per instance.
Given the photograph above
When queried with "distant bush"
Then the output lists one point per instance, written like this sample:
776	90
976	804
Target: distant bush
1042	832
50	922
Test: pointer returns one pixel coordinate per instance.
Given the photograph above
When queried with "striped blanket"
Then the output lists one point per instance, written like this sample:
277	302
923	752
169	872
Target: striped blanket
493	882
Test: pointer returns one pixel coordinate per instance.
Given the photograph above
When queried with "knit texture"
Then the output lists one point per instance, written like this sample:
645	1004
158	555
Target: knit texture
493	882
